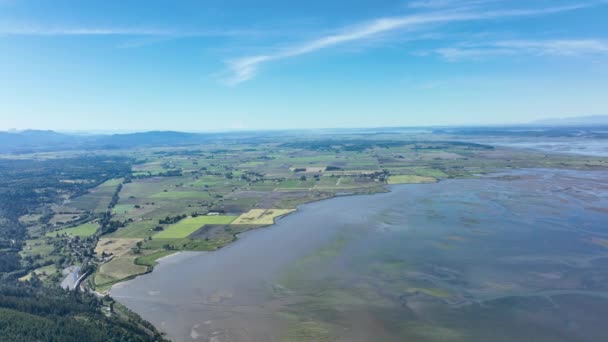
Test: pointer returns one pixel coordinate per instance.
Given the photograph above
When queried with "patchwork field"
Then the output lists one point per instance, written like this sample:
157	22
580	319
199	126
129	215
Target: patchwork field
42	272
115	246
134	230
190	225
410	179
261	216
98	199
181	194
83	230
149	260
251	184
118	269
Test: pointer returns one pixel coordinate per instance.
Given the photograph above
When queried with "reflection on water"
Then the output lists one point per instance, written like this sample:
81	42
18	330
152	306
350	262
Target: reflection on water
583	146
515	257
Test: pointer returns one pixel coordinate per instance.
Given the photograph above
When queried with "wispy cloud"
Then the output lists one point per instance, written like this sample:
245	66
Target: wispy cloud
245	68
561	47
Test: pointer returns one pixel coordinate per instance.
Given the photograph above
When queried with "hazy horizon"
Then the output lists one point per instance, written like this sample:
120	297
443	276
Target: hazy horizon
540	123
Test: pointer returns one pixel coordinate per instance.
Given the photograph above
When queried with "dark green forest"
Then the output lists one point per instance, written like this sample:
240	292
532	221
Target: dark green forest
30	313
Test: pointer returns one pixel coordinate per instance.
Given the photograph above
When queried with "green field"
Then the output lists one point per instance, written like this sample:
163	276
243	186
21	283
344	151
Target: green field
150	259
83	230
42	272
245	180
410	179
181	194
122	209
189	225
117	269
140	229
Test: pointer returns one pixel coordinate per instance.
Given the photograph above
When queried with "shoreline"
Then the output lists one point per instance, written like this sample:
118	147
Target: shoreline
388	188
237	236
385	188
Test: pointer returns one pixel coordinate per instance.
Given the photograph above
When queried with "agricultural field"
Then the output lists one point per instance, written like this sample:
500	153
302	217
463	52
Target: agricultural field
149	260
98	199
410	179
37	247
261	217
116	247
42	273
162	204
189	225
118	269
83	230
135	230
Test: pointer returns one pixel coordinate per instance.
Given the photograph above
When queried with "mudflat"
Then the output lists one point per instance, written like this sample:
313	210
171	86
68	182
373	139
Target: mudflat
511	256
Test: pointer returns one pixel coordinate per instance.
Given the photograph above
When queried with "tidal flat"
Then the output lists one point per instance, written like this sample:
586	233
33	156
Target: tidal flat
507	257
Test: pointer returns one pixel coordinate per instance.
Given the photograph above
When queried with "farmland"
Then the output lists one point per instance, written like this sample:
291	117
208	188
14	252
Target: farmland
83	230
202	197
115	212
261	217
118	269
187	226
410	179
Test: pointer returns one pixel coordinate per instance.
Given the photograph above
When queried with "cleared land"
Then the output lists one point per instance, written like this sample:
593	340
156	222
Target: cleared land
150	259
142	229
189	225
97	199
115	246
410	179
42	272
181	194
83	230
118	269
261	216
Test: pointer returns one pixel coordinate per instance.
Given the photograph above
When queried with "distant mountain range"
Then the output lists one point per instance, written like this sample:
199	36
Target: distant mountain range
42	141
37	141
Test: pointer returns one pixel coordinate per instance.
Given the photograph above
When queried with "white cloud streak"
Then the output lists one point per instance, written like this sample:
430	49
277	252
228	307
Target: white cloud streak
246	68
561	47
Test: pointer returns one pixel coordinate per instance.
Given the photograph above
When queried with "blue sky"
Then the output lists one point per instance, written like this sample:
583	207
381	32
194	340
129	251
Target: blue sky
269	64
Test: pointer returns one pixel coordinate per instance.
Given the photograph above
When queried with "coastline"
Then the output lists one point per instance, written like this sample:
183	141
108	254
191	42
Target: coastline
385	188
303	208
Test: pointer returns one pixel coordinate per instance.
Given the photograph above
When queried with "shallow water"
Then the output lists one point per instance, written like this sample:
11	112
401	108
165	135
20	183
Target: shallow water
512	257
582	146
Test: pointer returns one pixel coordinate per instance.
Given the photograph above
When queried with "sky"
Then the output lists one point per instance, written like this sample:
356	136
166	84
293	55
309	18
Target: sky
213	65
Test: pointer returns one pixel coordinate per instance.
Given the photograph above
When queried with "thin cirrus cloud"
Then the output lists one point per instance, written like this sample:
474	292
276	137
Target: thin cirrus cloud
560	47
245	68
